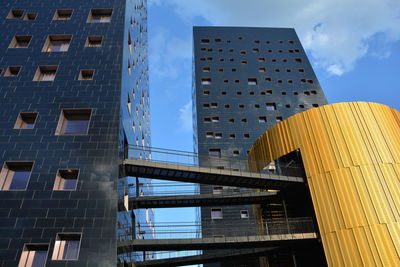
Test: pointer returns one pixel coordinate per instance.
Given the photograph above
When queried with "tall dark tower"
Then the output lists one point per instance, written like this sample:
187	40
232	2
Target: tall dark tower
245	81
73	94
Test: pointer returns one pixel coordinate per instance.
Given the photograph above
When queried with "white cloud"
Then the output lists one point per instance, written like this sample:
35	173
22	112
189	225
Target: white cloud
168	54
336	33
185	117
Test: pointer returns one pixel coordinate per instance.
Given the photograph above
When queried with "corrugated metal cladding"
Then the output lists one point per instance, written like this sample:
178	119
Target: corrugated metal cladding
352	161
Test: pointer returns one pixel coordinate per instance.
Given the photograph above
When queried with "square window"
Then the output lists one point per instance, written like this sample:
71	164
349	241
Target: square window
94	41
128	105
66	180
15	175
34	255
206	69
244	214
232	136
246	136
206	81
231	120
243	120
209	135
235	152
45	73
216	214
252	81
20	41
217	190
100	15
30	16
262	119
86	75
205	41
67	246
262	69
62	14
271	106
215	119
206	92
214	152
315	105
12	71
287	106
15	14
261	59
73	121
218	135
26	120
57	43
278	119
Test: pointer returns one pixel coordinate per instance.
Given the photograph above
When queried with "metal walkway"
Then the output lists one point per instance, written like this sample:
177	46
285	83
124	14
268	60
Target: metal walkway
197	200
203	175
214	242
205	258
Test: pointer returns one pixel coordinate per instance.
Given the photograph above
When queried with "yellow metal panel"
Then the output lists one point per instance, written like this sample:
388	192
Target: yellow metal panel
351	155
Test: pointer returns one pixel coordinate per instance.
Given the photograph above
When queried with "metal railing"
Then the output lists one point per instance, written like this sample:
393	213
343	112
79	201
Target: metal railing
171	156
211	228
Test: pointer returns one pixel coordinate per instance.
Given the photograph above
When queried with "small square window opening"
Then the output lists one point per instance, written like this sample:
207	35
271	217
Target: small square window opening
57	43
26	120
34	255
62	14
66	180
15	175
73	121
45	73
15	14
30	16
20	41
93	41
86	75
67	246
100	15
12	71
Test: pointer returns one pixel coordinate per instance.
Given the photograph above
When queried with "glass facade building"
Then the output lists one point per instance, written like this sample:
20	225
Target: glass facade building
74	95
245	81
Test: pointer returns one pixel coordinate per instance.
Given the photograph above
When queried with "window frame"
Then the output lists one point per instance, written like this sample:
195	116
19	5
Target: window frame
14	42
215	217
5	181
56	38
20	120
92	18
8	73
57	184
62	118
40	73
25	257
58	247
57	15
87	42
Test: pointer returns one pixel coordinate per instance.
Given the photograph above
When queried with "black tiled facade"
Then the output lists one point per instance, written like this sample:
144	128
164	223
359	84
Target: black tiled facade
37	214
245	81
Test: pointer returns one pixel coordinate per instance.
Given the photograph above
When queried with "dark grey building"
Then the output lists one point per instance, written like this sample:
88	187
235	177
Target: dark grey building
73	95
245	81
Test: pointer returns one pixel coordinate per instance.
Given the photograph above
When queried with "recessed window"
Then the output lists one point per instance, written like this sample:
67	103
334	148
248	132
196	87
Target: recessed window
100	15
216	214
243	52
15	14
66	180
287	106
205	41
215	119
262	119
94	41
271	106
206	81
235	152
232	136
239	93
244	62
298	60
255	50
67	246
313	92
283	93
295	93
45	73
214	152
315	105
85	75
301	70
217	190
129	67
206	105
34	255
256	105
218	135
30	16
73	121
307	92
206	92
241	105
15	175
223	93
207	119
12	71
62	14
244	214
226	81
251	93
262	69
231	120
244	120
57	43
206	69
252	81
221	70
214	105
234	70
261	59
209	135
128	105
227	106
268	92
301	106
268	79
26	120
20	41
278	119
246	136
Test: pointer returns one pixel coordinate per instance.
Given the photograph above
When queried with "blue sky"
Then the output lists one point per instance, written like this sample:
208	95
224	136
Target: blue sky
353	46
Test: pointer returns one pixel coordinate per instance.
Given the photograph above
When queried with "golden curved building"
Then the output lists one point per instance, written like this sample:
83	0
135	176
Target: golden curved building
351	156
